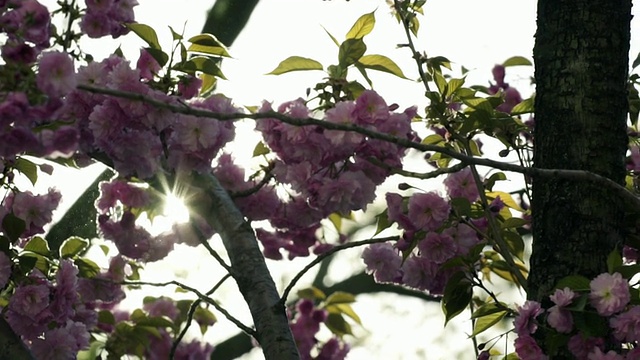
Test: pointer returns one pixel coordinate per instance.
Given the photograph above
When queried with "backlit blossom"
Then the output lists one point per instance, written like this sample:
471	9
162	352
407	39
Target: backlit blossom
437	247
56	74
461	185
428	211
609	293
383	261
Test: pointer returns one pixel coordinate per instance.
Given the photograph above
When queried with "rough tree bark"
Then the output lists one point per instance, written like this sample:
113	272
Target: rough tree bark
581	67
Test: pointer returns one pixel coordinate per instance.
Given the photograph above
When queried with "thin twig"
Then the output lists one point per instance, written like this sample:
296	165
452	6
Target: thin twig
328	253
190	313
201	296
567	174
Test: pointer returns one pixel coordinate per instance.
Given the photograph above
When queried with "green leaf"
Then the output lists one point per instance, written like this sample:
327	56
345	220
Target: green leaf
441	82
628	271
488	309
335	41
202	64
73	246
260	149
208	44
524	107
28	169
38	245
506	199
433	139
336	220
204	317
479	104
382	222
453	86
146	33
574	282
26	263
158	55
87	268
614	260
174	35
462	206
208	84
295	63
345	309
457	296
362	27
311	293
13	226
486	321
514	222
155	321
42	262
381	63
351	50
209	50
517	61
337	325
499	176
514	242
340	297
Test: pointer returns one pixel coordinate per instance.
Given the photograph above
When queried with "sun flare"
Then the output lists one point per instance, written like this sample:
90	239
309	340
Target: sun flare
175	210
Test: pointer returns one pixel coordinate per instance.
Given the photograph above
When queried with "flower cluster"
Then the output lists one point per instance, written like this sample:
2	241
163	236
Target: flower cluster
430	236
27	25
609	297
511	95
305	325
328	171
106	17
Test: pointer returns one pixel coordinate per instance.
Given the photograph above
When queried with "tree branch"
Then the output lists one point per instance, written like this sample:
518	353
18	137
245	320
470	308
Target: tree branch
576	175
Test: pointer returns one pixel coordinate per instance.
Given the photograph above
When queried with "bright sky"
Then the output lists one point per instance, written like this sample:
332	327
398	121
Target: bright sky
476	34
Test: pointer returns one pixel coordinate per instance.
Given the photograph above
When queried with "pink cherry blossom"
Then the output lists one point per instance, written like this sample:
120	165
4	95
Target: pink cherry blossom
609	293
525	322
383	261
528	349
439	248
56	74
558	316
626	326
581	346
35	210
461	185
598	354
147	65
428	211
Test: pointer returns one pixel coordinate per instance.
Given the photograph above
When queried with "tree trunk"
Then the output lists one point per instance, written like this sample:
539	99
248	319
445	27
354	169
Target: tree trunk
581	69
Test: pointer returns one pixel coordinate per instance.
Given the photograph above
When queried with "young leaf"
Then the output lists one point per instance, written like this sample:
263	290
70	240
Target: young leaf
523	107
28	169
210	42
202	64
38	245
260	149
381	63
337	325
574	282
158	55
146	33
209	50
506	199
351	50
72	247
174	34
295	63
340	297
614	260
336	220
311	293
382	222
345	309
13	226
335	41
485	322
457	295
363	26
517	61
